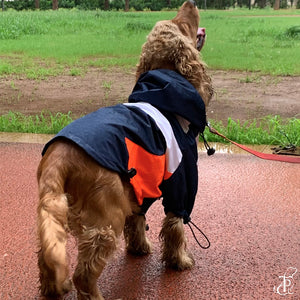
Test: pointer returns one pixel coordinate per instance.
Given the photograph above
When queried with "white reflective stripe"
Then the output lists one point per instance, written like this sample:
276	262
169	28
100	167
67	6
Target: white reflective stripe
173	152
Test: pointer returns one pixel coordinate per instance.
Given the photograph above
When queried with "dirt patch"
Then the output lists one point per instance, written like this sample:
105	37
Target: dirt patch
245	96
239	95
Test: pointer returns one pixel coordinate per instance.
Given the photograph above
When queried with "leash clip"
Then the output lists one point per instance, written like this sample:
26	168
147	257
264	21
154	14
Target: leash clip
211	129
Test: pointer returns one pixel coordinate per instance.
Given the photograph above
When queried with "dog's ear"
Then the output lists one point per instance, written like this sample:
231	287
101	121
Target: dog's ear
187	20
187	30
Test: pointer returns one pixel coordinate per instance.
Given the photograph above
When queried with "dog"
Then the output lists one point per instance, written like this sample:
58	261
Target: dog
100	174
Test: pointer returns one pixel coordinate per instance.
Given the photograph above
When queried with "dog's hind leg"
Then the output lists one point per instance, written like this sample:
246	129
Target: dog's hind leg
174	244
94	248
135	236
52	260
102	218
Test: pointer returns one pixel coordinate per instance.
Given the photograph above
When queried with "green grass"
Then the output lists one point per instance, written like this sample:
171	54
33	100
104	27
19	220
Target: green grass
43	123
56	41
269	131
37	44
259	44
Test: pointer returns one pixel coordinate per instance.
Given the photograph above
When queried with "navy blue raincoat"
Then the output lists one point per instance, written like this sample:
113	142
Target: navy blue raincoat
144	140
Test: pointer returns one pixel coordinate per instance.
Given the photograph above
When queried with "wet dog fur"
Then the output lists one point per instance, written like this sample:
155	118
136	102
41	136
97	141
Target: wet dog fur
96	205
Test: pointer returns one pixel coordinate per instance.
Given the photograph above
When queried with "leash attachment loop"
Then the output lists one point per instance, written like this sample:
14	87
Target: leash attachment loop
189	222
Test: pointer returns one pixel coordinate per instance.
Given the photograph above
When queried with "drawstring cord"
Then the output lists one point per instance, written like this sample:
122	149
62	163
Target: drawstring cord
194	235
210	150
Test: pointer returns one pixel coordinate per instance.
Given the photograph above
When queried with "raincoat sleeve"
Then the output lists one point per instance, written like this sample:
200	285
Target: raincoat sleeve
179	191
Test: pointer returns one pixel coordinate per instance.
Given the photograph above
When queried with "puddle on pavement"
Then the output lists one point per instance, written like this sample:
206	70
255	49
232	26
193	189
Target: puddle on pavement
232	149
44	138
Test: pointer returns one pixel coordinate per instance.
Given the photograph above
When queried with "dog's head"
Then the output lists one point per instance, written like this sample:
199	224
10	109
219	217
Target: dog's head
175	45
187	20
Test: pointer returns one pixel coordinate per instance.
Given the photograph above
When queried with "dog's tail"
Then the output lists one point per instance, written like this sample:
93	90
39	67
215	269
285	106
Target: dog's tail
52	233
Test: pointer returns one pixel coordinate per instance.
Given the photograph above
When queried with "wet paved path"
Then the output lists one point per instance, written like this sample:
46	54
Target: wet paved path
249	208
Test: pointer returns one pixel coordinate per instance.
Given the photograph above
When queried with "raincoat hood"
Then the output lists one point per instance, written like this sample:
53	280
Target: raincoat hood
170	92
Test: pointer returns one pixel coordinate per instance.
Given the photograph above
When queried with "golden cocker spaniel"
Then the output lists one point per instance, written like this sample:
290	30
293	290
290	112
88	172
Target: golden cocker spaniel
100	174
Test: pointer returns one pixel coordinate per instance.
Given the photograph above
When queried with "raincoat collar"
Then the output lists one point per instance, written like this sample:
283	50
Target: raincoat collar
170	92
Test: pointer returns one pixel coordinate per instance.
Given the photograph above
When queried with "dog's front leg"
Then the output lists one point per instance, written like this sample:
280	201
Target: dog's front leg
174	244
135	236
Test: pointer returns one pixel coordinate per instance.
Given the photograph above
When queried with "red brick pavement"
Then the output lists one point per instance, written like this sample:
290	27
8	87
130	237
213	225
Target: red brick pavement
249	208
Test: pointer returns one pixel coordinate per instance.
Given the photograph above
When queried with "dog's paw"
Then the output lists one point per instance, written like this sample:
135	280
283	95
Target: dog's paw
185	262
141	248
180	263
50	290
86	296
67	286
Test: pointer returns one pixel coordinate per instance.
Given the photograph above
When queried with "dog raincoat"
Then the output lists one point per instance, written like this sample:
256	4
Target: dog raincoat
145	140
